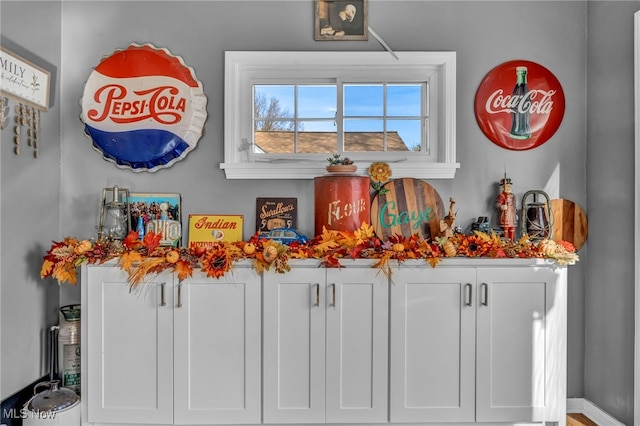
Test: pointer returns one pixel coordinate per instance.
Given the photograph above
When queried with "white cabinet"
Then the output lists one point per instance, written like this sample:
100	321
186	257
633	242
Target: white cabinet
478	344
521	363
127	348
171	353
217	350
469	341
432	345
325	348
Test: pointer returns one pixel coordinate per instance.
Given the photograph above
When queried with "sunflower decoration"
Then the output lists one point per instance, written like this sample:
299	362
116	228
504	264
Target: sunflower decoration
379	173
219	259
472	245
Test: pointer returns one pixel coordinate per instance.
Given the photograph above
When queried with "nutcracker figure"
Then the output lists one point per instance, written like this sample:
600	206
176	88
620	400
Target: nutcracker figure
506	205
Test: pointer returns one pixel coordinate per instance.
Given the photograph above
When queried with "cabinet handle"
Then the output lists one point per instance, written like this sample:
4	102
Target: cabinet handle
485	294
333	292
317	285
468	289
162	301
179	305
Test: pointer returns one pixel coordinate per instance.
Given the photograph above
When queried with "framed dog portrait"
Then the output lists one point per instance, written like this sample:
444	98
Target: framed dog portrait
341	20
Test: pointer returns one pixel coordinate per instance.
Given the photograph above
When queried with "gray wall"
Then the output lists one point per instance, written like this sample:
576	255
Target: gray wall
484	34
30	207
609	287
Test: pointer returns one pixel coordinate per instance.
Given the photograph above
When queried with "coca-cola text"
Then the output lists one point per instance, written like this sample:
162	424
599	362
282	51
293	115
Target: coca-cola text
534	102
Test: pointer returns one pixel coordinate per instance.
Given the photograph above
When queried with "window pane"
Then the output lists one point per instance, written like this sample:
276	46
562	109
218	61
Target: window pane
403	135
362	100
316	112
270	125
317	101
273	101
274	142
318	137
317	126
363	135
404	100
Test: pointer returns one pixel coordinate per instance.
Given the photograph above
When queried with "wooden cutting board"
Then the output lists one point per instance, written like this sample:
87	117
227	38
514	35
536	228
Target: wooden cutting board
569	222
407	207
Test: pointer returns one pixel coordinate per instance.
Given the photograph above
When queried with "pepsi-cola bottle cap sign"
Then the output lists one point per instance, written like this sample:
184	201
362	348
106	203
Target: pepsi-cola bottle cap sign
143	108
519	105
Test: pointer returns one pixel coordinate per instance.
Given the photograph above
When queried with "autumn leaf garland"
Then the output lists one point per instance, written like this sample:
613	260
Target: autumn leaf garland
140	258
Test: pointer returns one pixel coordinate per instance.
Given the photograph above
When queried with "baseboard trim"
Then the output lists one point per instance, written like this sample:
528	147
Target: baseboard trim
589	409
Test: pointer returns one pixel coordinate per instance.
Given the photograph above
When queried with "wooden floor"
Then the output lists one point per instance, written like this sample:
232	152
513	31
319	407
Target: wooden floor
579	420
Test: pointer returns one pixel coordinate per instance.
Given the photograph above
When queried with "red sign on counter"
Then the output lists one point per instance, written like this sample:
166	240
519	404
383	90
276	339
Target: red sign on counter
519	105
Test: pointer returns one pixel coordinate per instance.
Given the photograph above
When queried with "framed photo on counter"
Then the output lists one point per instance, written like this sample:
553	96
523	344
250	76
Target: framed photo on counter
159	212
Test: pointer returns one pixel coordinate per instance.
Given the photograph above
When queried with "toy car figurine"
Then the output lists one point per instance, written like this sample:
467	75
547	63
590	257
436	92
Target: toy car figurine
482	225
286	236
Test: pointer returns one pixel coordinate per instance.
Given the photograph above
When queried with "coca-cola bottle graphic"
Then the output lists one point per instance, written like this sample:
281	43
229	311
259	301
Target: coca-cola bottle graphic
520	115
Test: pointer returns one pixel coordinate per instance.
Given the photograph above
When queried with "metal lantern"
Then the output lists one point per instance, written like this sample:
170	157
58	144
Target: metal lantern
537	219
114	214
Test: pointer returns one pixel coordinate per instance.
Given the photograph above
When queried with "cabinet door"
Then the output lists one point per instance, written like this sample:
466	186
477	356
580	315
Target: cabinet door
128	352
513	338
217	349
294	346
357	345
432	344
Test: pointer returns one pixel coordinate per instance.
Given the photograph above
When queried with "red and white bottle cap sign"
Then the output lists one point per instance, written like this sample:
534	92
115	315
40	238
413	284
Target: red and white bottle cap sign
143	108
519	105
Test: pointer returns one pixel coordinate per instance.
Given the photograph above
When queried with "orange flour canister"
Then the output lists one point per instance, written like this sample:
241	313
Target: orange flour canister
341	202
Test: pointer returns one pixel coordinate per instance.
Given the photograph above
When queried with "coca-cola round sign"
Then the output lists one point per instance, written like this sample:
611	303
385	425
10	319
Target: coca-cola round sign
519	105
143	108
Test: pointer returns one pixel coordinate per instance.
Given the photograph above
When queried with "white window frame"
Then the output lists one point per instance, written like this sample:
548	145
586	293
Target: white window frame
243	69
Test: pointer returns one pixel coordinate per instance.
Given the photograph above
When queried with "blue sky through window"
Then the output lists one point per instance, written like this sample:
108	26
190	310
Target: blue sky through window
363	107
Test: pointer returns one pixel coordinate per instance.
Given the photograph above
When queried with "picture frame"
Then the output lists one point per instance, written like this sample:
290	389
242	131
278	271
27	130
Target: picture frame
145	208
341	20
24	81
276	212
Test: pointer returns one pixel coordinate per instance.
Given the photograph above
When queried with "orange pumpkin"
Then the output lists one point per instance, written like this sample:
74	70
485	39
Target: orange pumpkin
270	253
449	248
83	247
249	248
398	247
172	256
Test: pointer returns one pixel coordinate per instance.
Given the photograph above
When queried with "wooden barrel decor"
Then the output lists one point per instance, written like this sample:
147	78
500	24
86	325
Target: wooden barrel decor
408	207
341	202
